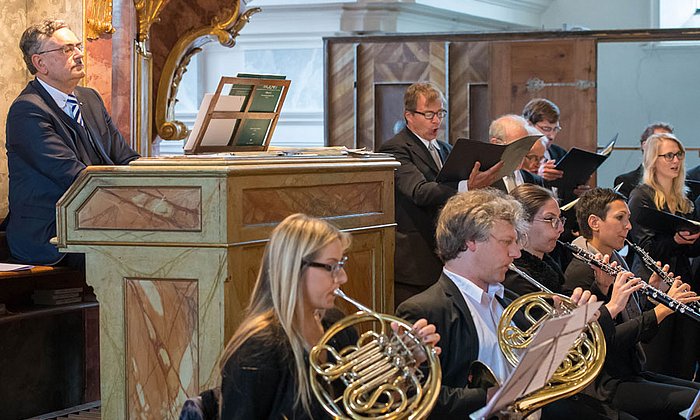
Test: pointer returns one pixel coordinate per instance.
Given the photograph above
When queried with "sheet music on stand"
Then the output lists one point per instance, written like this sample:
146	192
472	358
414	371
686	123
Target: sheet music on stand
542	358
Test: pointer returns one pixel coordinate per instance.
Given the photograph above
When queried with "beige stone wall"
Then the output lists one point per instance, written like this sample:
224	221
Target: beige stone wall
15	15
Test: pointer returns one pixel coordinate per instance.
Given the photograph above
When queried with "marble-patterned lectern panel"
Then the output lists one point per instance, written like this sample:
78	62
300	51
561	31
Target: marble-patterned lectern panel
162	346
142	208
272	205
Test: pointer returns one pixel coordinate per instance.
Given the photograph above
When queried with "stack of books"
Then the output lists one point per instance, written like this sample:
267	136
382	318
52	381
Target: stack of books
55	297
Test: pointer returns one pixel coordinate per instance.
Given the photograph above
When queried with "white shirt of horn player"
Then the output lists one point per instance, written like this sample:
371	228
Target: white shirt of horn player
486	312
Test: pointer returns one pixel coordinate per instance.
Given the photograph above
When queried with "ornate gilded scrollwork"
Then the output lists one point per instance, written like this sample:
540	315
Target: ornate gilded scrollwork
147	12
98	18
224	28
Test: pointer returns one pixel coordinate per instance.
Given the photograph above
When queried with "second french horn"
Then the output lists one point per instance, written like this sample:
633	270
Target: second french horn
582	364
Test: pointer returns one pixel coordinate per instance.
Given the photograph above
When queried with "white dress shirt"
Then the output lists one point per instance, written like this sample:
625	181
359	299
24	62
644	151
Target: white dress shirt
486	312
59	97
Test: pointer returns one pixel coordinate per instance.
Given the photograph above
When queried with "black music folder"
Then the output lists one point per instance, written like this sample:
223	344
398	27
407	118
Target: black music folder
578	165
665	222
467	152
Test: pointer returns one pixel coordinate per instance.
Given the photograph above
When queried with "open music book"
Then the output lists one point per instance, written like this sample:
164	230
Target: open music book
467	152
665	222
578	165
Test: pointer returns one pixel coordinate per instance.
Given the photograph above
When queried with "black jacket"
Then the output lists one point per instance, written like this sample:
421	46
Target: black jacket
418	200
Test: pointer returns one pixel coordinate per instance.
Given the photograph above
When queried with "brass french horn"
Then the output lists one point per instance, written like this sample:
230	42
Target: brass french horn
582	363
378	377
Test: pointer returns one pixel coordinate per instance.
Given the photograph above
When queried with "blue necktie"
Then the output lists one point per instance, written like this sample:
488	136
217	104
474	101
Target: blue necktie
74	109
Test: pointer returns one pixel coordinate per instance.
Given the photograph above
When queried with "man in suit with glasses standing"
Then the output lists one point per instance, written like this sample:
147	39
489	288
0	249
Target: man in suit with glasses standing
55	129
418	196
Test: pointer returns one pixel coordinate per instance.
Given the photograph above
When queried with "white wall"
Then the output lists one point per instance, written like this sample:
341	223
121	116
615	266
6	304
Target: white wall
642	83
601	14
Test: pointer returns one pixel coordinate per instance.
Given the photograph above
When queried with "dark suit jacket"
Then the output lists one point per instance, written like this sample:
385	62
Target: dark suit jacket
46	150
659	245
418	201
443	305
556	152
630	180
693	174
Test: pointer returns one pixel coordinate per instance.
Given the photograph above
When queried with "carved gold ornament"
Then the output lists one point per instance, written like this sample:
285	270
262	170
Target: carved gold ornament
224	28
98	18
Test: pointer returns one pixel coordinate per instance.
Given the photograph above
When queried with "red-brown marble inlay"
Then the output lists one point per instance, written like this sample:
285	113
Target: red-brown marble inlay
271	205
161	346
142	208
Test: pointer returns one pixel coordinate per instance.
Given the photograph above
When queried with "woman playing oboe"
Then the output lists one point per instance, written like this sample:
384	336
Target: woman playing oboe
625	381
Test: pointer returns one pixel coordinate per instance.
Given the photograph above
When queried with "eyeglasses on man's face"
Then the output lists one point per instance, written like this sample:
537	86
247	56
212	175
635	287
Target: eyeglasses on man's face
669	156
556	222
534	158
548	129
334	269
429	115
68	49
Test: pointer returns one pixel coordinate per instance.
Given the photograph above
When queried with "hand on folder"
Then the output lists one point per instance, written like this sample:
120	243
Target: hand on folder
479	179
548	172
684	237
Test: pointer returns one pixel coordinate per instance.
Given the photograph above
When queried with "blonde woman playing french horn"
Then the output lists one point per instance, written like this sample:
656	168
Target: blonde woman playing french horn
265	365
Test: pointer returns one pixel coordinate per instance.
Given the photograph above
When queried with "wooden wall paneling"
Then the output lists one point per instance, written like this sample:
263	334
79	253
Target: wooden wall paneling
364	94
553	61
400	63
340	91
468	81
388	105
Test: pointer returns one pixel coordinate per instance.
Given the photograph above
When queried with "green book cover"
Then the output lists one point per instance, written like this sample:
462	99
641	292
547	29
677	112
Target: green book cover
253	132
265	99
266	96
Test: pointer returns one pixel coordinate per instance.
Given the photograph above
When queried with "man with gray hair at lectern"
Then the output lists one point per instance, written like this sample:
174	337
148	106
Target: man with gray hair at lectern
55	129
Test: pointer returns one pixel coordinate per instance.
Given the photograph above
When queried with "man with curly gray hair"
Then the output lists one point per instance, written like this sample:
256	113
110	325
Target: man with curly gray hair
478	236
55	129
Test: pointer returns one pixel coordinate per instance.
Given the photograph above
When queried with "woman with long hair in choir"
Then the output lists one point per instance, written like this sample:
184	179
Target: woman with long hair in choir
663	188
265	367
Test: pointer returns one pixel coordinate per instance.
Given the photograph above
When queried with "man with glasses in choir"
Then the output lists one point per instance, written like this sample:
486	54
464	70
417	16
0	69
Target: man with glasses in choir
506	130
54	130
418	196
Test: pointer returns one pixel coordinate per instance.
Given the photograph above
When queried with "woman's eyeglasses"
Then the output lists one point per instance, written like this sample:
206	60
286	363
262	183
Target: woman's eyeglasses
556	222
669	156
334	269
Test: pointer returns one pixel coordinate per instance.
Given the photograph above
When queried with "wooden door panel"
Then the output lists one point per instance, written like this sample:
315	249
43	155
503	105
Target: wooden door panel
552	61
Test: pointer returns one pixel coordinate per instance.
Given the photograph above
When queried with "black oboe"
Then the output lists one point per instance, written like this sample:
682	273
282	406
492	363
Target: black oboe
647	289
650	264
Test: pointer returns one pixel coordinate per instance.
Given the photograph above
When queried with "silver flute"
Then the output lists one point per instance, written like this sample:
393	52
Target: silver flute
650	264
647	289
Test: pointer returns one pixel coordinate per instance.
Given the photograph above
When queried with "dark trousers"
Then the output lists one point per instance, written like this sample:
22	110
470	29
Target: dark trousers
655	396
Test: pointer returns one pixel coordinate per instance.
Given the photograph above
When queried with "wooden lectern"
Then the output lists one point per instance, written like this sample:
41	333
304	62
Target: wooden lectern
173	247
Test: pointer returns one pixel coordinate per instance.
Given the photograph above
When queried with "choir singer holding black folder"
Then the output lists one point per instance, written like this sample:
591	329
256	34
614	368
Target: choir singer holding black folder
663	188
418	195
